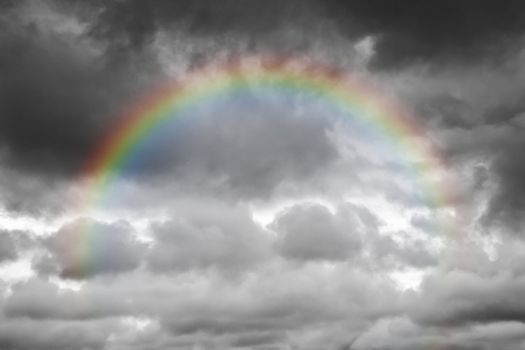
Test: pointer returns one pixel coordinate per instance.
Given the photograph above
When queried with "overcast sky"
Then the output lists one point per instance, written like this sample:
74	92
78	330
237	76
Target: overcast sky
264	220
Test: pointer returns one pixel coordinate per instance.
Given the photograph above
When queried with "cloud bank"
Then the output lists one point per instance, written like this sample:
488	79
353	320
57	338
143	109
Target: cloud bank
261	221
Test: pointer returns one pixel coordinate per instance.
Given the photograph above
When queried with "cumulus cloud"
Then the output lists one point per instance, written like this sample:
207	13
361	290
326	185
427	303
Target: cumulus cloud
212	236
85	248
312	232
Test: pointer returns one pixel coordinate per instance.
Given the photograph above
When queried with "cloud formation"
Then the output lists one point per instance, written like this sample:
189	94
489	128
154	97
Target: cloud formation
262	220
313	233
87	248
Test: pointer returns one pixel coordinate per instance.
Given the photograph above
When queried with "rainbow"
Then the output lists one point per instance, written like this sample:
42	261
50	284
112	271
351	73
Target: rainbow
136	127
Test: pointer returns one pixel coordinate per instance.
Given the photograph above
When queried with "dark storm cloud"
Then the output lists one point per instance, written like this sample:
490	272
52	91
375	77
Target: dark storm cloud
447	110
422	31
134	22
507	205
58	88
506	111
46	118
478	111
409	32
498	172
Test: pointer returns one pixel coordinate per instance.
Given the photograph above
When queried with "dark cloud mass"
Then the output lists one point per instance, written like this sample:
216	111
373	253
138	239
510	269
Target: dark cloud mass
264	219
74	88
414	31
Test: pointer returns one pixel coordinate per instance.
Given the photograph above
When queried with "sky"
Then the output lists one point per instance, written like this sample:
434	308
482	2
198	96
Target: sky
264	219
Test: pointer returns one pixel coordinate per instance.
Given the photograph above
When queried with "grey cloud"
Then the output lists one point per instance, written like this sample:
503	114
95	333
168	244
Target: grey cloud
447	110
506	111
257	338
38	299
287	302
463	96
387	252
213	236
477	119
196	308
14	244
31	194
86	248
466	298
495	170
8	249
312	232
507	205
401	333
26	334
